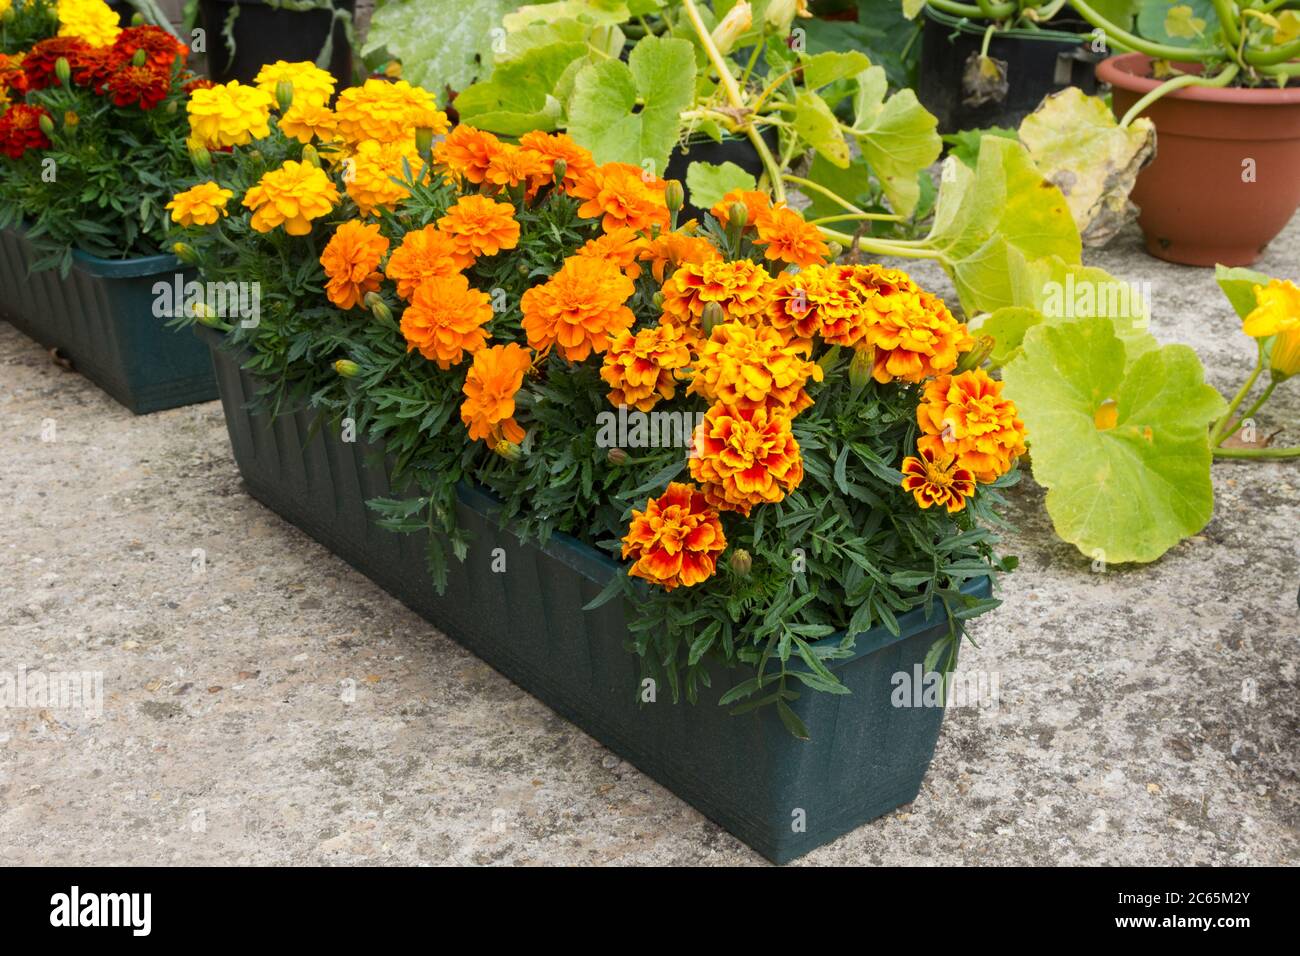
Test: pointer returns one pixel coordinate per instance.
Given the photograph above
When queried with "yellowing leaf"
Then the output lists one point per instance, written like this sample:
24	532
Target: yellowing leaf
1077	144
1181	21
897	137
816	125
1124	482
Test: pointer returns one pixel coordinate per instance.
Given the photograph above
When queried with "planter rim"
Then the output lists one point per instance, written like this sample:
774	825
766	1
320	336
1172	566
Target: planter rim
599	568
977	28
1128	71
119	268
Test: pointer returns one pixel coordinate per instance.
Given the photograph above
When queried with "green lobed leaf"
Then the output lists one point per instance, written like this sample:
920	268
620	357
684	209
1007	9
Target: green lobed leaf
519	96
897	137
1128	492
1238	284
440	42
707	183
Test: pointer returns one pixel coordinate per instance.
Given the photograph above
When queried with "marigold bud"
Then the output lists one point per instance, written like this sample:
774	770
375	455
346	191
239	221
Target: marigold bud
200	157
310	156
737	216
8	15
616	456
508	450
284	94
674	195
71	119
206	314
378	307
424	141
836	250
139	57
741	562
137	19
658	300
860	368
976	356
711	317
347	368
185	253
46	124
63	70
559	169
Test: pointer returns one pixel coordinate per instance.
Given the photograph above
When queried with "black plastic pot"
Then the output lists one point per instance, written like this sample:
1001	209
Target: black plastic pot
702	149
780	795
264	34
101	318
1039	62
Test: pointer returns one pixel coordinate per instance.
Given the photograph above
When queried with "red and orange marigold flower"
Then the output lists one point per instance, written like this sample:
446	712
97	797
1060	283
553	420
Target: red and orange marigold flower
446	319
748	366
423	254
143	86
579	309
745	456
676	540
20	130
668	250
479	226
619	194
559	146
351	260
740	288
756	203
937	480
643	367
965	417
490	388
622	247
912	331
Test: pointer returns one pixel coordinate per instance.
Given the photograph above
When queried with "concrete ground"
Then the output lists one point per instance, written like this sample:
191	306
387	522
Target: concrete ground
1148	715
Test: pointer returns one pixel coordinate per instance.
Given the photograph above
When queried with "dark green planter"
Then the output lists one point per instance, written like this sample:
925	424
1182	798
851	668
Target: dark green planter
101	318
866	757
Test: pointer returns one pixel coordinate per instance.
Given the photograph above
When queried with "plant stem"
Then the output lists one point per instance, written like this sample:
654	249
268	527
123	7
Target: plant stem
806	184
1216	433
1293	452
855	216
1160	51
999	11
733	93
1250	412
882	247
1226	76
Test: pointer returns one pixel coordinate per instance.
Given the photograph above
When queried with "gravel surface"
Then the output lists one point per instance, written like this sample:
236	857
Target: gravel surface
1147	715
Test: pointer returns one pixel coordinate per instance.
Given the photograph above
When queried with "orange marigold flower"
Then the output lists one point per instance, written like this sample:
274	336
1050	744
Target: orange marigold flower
445	320
375	174
789	239
747	367
745	456
618	195
676	540
794	299
490	387
621	247
467	153
351	260
292	196
386	112
912	331
480	227
965	416
558	146
669	250
643	367
937	481
579	309
308	121
739	287
511	166
423	254
756	203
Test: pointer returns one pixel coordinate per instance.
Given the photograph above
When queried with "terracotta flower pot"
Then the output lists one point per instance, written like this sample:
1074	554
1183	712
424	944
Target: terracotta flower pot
1226	177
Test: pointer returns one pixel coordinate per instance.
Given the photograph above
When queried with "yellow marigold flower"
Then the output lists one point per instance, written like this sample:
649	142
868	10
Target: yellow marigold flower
739	287
748	367
467	153
643	367
312	86
91	20
307	121
965	417
579	309
669	250
480	227
788	238
292	195
756	203
374	173
490	387
745	456
512	166
676	540
200	205
426	253
937	480
228	115
386	112
912	331
619	195
445	320
1277	309
559	146
621	247
351	260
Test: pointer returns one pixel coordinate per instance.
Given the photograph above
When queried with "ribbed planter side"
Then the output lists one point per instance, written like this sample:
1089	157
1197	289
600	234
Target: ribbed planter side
101	318
866	757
